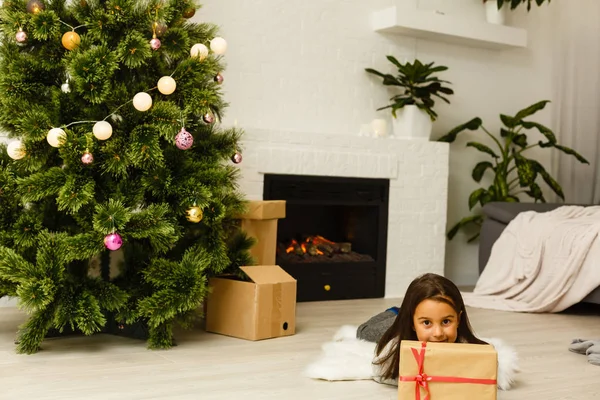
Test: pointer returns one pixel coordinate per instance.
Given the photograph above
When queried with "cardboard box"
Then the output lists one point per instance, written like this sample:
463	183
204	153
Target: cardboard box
260	222
262	309
448	371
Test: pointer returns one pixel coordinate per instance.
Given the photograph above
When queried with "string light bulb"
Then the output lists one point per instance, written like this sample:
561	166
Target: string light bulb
102	130
56	137
166	85
142	101
15	150
199	51
218	45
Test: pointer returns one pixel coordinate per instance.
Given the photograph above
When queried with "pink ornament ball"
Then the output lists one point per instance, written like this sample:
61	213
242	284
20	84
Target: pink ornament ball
113	241
184	140
155	44
237	157
219	78
87	158
21	36
208	118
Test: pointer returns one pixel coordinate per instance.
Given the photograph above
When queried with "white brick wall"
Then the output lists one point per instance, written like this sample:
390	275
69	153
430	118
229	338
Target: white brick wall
418	174
298	65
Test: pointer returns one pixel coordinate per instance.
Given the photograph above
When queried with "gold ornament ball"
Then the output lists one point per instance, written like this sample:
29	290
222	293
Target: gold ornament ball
160	28
194	214
15	150
35	6
142	101
56	137
71	40
166	85
189	12
102	130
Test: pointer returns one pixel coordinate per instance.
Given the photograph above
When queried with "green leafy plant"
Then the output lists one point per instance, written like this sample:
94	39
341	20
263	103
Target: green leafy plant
513	173
418	84
515	3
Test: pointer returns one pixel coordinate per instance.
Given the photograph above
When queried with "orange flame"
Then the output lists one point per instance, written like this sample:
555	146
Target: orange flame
291	247
315	240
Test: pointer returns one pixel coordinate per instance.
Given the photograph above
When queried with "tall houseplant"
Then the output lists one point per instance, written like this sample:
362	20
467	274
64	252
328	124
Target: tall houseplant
513	173
413	108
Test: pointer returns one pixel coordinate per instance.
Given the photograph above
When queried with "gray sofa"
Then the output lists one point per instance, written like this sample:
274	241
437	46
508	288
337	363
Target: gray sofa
498	215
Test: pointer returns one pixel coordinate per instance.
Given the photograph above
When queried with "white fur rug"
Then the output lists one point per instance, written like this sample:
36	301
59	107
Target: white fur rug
347	358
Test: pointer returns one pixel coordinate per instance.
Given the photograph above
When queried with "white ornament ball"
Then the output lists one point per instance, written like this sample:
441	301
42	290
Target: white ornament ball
166	85
65	88
102	130
15	150
199	51
218	45
55	137
142	101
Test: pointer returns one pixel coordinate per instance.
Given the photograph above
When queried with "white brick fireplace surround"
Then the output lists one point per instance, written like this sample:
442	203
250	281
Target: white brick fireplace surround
418	174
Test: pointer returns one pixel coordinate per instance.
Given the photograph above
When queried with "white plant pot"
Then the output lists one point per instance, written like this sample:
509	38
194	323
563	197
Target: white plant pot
492	14
412	123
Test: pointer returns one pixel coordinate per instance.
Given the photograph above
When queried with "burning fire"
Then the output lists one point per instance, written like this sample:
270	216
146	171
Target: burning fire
314	240
315	249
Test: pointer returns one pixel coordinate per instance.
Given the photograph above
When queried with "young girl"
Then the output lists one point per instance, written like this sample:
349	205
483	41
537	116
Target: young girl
432	311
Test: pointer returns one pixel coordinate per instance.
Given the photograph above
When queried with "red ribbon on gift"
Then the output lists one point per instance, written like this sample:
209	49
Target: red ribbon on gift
422	380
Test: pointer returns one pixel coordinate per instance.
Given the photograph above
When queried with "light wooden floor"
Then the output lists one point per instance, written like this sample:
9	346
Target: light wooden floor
209	366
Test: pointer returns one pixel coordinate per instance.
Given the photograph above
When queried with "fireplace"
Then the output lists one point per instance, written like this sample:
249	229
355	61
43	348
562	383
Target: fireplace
334	237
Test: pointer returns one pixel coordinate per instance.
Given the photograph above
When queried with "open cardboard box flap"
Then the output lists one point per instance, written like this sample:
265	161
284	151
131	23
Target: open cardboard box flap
263	274
264	210
260	223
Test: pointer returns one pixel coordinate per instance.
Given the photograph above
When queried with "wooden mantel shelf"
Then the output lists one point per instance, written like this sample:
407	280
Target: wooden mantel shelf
431	25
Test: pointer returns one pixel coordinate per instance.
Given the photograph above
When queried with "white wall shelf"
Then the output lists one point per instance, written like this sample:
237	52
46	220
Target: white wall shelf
431	25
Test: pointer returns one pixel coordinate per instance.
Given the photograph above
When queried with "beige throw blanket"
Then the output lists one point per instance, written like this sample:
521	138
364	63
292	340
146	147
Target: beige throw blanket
542	262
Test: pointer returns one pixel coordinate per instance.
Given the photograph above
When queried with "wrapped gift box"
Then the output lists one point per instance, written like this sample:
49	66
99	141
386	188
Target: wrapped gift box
447	371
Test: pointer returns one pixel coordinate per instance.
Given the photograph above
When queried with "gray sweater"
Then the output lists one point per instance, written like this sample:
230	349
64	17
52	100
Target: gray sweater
374	328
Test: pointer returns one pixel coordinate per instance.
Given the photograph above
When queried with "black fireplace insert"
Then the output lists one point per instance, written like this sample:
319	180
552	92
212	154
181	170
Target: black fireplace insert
334	237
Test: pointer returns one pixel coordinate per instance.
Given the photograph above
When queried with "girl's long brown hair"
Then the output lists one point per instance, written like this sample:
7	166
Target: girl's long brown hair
427	286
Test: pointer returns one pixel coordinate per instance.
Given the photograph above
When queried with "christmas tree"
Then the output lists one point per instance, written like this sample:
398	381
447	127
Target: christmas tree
112	110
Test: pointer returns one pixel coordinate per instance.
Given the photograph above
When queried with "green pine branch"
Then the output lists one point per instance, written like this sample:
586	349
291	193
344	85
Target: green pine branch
56	210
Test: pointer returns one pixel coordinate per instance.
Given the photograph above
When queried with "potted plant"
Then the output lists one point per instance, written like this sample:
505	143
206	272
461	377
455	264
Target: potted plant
412	109
513	173
495	13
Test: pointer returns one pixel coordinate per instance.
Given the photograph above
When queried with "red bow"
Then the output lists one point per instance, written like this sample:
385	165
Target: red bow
422	380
